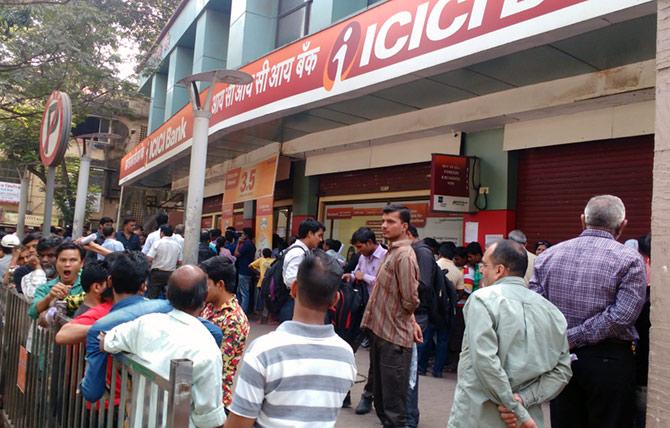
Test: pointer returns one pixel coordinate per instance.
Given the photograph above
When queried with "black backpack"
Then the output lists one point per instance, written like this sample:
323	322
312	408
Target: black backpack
274	291
347	315
445	299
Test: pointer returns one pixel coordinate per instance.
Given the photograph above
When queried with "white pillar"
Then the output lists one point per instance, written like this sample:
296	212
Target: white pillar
23	204
196	185
82	195
49	200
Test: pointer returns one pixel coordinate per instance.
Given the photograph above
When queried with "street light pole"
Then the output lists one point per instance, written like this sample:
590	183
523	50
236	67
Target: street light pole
196	182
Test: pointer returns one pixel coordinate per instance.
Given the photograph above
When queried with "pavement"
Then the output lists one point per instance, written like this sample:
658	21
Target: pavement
435	395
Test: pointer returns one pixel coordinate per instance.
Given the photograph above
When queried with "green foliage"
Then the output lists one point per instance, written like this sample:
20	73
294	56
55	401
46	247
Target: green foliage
67	45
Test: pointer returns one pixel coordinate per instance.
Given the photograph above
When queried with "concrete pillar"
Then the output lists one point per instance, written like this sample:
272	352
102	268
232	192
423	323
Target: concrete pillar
325	12
305	195
181	65
157	108
211	41
658	399
253	28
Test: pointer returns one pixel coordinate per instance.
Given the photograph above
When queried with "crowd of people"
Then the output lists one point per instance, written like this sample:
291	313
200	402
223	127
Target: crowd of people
566	323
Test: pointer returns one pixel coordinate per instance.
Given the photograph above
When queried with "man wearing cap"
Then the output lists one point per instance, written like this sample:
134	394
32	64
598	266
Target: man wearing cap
8	243
519	237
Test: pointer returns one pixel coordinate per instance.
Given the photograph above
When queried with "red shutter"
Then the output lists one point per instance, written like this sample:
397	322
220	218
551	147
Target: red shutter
556	182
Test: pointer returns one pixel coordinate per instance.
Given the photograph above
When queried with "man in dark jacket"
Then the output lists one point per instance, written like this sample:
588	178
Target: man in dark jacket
204	251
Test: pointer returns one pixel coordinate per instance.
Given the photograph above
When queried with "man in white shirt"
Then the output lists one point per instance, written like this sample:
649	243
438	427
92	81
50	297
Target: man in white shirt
159	338
8	243
165	255
179	235
110	241
154	236
43	263
519	237
310	235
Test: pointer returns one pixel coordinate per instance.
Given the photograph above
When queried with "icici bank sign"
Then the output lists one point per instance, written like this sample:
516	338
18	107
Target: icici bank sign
389	41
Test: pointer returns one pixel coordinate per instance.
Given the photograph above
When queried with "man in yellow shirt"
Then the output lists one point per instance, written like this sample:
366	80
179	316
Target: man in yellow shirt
261	265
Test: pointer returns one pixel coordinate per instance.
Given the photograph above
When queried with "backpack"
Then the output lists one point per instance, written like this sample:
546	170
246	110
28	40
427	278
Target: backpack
444	300
347	314
273	290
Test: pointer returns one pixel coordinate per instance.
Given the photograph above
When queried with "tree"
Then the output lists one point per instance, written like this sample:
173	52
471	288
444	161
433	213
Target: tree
67	45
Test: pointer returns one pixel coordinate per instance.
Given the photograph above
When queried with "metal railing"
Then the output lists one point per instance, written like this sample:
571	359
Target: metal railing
39	381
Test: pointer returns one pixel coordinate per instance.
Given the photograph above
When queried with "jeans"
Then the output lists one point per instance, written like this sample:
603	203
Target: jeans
391	364
440	346
286	311
243	284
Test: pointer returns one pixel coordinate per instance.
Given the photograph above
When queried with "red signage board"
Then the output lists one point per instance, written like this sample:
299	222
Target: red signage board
55	128
450	183
393	39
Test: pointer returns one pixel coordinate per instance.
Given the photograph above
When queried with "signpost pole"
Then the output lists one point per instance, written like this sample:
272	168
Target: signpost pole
49	200
23	203
82	194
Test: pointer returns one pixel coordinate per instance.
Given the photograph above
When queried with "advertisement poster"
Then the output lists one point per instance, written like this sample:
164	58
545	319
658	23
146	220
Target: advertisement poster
264	222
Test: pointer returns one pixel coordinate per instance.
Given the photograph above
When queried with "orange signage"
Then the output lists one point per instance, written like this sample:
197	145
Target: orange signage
251	181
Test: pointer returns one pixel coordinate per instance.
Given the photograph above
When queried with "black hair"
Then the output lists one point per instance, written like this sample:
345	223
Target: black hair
231	229
309	225
220	268
319	277
362	235
413	231
204	237
545	243
104	220
404	212
48	243
93	272
249	232
266	252
128	220
460	252
107	231
214	233
230	236
35	236
129	270
512	255
166	230
474	248
139	226
644	245
190	297
161	219
334	244
69	245
447	251
432	243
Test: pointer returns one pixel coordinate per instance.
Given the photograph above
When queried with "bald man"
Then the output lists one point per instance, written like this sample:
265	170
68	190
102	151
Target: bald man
161	337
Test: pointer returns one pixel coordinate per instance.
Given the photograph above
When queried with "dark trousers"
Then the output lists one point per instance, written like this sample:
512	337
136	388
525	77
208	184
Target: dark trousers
601	391
159	279
440	346
391	370
286	311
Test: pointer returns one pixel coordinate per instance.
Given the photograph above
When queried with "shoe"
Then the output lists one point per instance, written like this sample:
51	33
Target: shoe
364	406
347	401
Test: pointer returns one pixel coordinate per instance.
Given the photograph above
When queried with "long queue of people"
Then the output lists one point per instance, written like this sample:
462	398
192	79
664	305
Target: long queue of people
520	329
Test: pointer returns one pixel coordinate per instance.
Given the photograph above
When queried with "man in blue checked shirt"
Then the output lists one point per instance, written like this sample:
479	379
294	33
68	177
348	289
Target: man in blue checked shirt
599	285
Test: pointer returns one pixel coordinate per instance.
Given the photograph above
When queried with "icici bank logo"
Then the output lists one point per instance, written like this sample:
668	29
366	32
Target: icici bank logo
342	55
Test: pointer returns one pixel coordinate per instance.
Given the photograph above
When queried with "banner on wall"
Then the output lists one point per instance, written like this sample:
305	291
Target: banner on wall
264	211
10	193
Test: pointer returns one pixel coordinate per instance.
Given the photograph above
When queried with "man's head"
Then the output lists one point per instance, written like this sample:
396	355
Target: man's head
161	219
332	244
95	279
221	276
187	289
138	229
129	225
317	282
503	258
248	233
214	234
395	222
267	253
518	236
107	231
30	242
365	241
310	232
9	242
433	244
204	237
605	212
447	250
179	229
105	222
69	260
128	271
46	250
461	257
541	246
474	252
166	230
413	232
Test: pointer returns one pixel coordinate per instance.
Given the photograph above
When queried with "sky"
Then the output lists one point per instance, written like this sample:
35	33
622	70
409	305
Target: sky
127	51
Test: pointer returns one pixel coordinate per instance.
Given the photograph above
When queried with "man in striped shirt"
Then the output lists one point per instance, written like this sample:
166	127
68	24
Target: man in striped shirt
298	375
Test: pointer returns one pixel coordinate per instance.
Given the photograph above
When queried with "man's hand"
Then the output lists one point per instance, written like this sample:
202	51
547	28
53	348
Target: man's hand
510	418
34	262
359	275
59	291
418	334
347	277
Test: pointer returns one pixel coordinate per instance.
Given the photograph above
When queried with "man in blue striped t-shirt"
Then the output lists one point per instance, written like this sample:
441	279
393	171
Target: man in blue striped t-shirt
298	375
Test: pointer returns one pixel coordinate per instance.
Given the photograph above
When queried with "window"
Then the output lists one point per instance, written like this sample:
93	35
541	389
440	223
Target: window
143	132
292	21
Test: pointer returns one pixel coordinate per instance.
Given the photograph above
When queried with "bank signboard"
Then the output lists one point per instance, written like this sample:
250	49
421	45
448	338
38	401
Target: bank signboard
377	47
